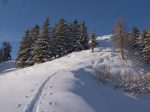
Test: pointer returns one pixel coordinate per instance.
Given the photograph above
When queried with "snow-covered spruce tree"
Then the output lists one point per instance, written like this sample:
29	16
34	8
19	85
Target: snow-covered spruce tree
75	35
143	37
92	41
146	49
41	51
119	36
24	55
60	39
134	37
0	55
84	36
35	31
6	50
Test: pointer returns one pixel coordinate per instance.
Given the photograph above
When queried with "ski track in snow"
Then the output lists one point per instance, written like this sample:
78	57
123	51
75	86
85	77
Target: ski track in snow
34	105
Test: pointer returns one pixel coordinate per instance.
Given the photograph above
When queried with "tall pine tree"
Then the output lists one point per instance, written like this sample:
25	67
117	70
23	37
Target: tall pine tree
0	55
84	37
146	43
24	55
34	36
134	37
6	50
41	51
75	35
60	37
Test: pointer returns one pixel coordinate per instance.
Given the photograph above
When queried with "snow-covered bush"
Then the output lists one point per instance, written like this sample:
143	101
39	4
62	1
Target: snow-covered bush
132	82
143	83
124	80
103	73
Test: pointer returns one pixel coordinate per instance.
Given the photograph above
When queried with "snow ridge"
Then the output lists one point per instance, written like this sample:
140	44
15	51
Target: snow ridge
35	102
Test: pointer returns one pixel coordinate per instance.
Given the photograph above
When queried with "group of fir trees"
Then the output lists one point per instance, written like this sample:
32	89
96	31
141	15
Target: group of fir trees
146	45
140	42
51	42
5	52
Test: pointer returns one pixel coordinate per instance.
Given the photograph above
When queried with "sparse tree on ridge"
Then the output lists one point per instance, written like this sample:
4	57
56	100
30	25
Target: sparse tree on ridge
119	36
92	41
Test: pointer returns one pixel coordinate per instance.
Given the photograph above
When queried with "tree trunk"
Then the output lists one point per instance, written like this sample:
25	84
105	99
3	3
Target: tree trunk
121	45
92	49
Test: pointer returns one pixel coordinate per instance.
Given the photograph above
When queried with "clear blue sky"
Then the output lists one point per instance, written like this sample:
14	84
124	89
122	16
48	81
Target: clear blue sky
100	15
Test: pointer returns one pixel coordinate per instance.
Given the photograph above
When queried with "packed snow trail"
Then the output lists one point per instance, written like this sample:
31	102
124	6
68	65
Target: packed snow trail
35	103
69	84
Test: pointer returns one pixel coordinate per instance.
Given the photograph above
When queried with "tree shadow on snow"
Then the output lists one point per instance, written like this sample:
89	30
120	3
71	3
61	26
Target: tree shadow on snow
102	98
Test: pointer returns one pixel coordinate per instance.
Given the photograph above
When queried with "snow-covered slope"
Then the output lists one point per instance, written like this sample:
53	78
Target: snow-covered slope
68	84
7	67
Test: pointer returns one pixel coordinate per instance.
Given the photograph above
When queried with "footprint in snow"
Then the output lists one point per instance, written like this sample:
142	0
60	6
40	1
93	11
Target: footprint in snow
42	97
44	94
51	93
27	96
19	105
32	90
51	103
36	84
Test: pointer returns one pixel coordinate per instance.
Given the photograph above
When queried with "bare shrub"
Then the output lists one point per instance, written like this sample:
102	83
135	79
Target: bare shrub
103	73
133	82
124	80
142	83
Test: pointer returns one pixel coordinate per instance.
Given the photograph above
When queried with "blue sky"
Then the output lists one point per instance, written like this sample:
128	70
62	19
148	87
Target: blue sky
100	15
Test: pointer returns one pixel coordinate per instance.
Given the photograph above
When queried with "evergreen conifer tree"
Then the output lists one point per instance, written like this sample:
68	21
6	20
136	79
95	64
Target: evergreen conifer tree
134	37
6	50
24	55
75	34
0	55
84	37
60	37
34	36
146	43
41	51
143	37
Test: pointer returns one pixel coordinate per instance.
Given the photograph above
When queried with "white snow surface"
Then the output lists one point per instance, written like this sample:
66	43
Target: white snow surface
68	84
